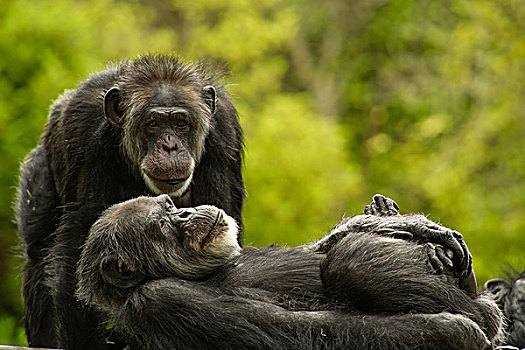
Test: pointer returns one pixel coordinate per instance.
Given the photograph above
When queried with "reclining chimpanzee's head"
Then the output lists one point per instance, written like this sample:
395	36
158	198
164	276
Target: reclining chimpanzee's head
148	238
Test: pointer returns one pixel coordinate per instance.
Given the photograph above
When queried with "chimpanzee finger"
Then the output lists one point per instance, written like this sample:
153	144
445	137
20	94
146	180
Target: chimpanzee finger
435	262
441	236
391	205
373	209
379	201
405	235
468	283
467	261
399	234
442	256
451	242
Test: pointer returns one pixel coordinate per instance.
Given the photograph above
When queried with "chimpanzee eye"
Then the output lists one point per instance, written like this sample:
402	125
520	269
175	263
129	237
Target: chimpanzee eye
182	124
152	124
165	226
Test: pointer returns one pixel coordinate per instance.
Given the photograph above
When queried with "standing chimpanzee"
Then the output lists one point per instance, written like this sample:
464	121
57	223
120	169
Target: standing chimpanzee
357	288
510	295
148	126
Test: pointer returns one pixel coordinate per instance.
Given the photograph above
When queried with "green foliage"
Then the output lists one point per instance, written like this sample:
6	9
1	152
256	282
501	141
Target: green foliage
10	331
431	98
298	182
419	100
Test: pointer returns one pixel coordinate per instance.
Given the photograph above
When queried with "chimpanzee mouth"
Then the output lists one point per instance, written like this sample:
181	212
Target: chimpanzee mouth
161	183
171	182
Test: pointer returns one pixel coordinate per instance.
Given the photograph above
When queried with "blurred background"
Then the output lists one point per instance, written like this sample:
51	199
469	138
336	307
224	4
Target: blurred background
423	101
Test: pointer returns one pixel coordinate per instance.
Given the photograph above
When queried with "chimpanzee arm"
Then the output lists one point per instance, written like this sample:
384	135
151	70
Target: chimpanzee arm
408	227
440	257
380	274
78	327
176	314
37	218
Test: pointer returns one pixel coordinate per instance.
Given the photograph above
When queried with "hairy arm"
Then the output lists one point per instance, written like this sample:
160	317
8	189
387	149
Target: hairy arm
381	274
181	314
446	249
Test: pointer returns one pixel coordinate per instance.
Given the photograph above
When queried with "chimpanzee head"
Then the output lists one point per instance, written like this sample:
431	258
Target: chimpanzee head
164	109
148	238
509	294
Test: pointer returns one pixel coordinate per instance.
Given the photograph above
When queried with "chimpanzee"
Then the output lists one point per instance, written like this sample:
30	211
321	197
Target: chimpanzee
510	295
177	278
148	126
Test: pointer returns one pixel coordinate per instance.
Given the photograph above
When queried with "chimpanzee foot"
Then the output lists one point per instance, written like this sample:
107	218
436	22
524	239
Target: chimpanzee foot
382	206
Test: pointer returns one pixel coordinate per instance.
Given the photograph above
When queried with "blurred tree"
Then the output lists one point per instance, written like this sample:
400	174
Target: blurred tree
431	98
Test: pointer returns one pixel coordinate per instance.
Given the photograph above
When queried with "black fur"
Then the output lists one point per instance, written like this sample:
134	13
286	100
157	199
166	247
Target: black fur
83	164
510	295
354	289
178	314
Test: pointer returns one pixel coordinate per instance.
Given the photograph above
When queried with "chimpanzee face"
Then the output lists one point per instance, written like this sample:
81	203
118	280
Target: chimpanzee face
165	125
149	238
204	230
168	164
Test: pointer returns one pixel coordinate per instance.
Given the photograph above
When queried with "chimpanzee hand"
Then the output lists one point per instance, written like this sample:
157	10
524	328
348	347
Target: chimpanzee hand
446	248
439	257
426	231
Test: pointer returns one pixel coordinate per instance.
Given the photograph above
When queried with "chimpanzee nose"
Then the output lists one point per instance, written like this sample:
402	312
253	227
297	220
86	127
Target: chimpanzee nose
169	143
183	215
165	201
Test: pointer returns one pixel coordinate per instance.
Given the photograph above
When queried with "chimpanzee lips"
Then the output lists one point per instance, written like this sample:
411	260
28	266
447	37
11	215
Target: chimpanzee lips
174	181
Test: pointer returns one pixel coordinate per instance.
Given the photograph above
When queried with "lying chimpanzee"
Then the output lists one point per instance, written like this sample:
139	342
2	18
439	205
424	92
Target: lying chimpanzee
510	295
354	289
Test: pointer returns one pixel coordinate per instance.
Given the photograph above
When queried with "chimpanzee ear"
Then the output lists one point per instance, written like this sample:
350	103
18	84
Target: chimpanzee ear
120	273
498	288
211	97
112	109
